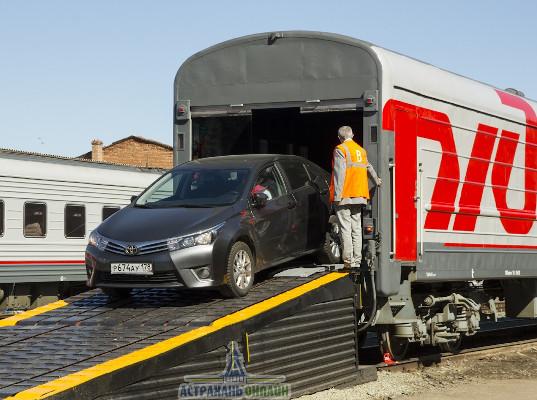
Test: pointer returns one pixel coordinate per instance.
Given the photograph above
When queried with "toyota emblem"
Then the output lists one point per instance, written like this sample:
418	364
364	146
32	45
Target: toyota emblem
131	250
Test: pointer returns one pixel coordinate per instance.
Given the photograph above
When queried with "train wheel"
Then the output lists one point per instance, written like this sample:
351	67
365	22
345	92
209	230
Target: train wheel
395	346
453	347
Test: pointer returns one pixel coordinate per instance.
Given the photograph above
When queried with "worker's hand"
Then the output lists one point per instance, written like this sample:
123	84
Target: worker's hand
379	182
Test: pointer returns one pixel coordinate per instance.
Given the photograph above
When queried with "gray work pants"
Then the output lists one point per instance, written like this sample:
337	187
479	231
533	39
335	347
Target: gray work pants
350	228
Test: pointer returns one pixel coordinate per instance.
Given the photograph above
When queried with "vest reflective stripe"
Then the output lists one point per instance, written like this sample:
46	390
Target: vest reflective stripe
355	183
355	164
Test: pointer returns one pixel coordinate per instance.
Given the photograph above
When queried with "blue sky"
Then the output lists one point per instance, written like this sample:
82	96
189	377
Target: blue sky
71	71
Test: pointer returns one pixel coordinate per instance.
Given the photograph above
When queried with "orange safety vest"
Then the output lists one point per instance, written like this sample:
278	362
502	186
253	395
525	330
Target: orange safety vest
355	184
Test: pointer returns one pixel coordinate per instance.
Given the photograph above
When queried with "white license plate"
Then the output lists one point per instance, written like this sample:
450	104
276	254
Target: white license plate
132	268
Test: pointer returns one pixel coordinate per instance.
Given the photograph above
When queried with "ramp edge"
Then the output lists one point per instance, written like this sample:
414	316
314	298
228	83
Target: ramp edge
14	319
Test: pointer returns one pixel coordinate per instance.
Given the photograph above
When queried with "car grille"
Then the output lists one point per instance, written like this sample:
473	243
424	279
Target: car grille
157	277
143	248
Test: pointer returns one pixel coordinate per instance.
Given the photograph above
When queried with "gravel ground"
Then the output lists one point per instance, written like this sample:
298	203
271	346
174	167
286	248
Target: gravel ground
491	376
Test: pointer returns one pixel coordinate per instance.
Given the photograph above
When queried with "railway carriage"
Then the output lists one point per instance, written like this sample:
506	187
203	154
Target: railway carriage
48	207
454	226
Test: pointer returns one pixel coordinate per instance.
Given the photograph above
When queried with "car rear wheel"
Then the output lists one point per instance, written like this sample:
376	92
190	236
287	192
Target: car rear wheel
240	271
330	252
117	293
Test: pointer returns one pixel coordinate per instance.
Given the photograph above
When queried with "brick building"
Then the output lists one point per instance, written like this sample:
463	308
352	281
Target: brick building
132	150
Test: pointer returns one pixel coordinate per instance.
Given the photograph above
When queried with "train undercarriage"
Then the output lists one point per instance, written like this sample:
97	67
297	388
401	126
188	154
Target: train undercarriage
19	297
424	314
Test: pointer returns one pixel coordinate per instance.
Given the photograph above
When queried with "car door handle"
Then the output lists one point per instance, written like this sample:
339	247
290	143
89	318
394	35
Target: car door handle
291	204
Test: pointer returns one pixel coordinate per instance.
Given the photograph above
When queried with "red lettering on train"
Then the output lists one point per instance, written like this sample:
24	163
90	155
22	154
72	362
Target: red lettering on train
514	220
409	122
474	181
435	126
400	118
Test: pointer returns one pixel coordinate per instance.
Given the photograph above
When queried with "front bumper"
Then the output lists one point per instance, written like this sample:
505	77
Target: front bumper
170	269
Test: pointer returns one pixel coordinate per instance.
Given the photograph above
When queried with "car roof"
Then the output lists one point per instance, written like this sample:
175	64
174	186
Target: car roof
239	161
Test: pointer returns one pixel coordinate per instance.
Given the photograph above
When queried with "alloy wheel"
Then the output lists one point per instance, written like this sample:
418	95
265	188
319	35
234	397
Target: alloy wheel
242	269
334	241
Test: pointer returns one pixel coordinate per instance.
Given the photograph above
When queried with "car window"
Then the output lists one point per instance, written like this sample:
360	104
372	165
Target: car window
296	173
196	187
315	170
269	183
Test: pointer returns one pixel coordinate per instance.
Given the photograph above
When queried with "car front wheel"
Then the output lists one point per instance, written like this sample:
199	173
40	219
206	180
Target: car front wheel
240	271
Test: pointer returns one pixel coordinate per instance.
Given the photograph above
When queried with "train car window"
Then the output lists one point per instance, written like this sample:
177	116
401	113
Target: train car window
75	221
296	173
2	218
108	211
35	219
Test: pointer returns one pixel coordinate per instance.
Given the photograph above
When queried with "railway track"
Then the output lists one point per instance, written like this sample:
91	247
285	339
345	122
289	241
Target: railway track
507	334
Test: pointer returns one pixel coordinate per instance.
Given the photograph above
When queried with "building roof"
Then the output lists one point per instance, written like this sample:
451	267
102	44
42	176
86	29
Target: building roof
140	139
45	156
131	137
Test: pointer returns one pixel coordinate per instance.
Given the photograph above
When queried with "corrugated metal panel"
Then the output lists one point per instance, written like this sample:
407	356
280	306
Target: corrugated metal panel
315	349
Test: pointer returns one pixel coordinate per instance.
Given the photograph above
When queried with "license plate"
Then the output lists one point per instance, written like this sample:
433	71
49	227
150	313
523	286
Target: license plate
132	268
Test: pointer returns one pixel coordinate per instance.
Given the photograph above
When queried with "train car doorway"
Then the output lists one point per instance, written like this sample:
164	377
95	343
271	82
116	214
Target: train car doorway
291	130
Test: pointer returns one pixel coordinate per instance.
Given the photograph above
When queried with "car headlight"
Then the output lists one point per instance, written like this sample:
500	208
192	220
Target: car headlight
183	242
98	241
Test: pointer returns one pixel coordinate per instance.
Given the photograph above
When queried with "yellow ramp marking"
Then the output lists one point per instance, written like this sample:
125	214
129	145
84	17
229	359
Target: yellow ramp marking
14	319
76	378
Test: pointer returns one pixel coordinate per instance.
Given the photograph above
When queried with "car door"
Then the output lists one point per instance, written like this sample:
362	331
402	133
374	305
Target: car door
272	221
321	201
306	232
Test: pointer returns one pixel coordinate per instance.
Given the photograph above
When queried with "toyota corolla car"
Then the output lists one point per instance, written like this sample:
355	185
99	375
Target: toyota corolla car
214	222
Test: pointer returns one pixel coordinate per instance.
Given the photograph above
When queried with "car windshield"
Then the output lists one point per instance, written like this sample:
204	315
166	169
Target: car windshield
195	188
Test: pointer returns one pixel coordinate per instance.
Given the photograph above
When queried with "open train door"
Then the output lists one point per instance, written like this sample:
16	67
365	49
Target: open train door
307	131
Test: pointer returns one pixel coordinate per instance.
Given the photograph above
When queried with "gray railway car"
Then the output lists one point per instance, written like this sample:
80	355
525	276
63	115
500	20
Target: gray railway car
454	224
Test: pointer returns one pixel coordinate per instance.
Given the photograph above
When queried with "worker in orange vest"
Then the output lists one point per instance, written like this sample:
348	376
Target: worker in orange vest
349	192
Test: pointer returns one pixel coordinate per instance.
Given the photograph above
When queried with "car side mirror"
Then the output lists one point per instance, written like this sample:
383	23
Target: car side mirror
259	199
134	198
319	184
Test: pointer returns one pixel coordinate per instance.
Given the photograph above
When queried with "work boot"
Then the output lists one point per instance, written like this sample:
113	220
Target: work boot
347	267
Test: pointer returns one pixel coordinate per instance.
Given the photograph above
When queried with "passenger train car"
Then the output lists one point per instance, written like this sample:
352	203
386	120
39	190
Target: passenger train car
453	226
48	207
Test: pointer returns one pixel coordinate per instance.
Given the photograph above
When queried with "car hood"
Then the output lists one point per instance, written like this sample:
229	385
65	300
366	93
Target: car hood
142	224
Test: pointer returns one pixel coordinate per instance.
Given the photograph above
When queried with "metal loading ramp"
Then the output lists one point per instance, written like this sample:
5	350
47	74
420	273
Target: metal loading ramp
89	346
